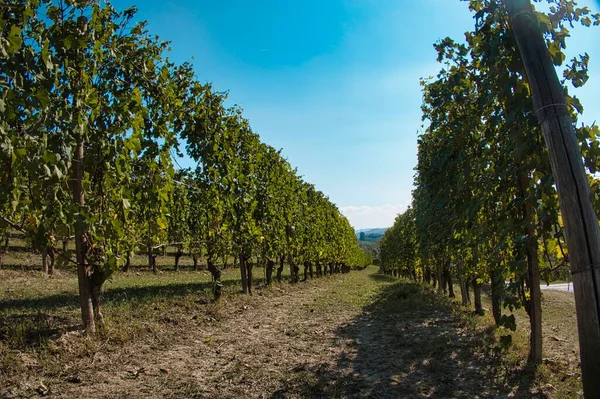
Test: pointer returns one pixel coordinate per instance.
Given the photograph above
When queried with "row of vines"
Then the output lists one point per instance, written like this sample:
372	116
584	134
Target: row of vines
485	207
93	115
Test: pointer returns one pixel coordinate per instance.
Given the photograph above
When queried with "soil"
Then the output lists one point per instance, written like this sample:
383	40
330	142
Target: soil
360	335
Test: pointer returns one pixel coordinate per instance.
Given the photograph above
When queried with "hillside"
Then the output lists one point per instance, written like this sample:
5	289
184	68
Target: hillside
371	235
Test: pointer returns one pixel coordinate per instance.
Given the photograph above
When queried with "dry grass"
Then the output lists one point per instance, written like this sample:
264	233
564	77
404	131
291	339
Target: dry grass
559	375
356	335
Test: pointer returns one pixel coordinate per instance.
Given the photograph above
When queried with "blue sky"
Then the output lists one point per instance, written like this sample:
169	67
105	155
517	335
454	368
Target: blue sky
335	83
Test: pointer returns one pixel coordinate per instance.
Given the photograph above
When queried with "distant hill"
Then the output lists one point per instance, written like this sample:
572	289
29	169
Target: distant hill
371	235
369	239
377	230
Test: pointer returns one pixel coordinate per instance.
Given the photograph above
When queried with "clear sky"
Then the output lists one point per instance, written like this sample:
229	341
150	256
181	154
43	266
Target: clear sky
335	83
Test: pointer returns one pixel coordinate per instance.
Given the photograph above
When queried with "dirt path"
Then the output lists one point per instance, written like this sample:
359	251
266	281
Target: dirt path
356	335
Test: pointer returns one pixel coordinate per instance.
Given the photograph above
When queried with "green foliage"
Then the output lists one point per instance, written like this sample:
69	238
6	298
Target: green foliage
485	202
82	78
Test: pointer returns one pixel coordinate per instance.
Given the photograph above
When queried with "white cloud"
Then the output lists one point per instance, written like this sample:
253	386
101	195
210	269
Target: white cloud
363	217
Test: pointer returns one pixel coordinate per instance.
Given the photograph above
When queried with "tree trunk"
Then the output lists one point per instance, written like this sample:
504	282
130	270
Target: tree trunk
96	280
477	297
448	280
450	286
243	273
195	259
293	270
463	291
52	261
269	272
310	270
249	267
152	260
305	271
45	261
581	223
65	244
127	262
178	256
280	268
497	290
83	272
533	273
319	269
216	275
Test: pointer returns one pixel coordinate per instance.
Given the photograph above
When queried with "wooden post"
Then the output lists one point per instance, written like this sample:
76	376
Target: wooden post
581	224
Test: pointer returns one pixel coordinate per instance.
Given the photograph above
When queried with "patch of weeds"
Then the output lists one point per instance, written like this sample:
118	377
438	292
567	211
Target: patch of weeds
356	292
554	377
10	363
311	384
26	330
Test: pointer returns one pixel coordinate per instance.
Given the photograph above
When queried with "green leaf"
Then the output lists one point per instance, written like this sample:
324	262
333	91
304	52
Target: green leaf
21	152
68	42
112	262
46	55
556	53
575	103
14	39
543	18
586	21
43	97
57	172
162	223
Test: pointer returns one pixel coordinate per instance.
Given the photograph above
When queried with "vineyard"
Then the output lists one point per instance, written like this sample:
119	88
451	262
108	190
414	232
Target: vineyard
485	206
94	116
123	274
359	333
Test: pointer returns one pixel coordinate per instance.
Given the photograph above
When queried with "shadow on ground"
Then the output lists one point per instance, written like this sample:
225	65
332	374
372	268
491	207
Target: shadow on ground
111	295
29	321
409	343
28	330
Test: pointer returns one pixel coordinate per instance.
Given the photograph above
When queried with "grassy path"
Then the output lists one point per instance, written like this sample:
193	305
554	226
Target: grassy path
355	335
246	347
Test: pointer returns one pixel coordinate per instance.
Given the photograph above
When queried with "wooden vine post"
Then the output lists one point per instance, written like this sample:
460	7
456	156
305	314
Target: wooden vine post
581	224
